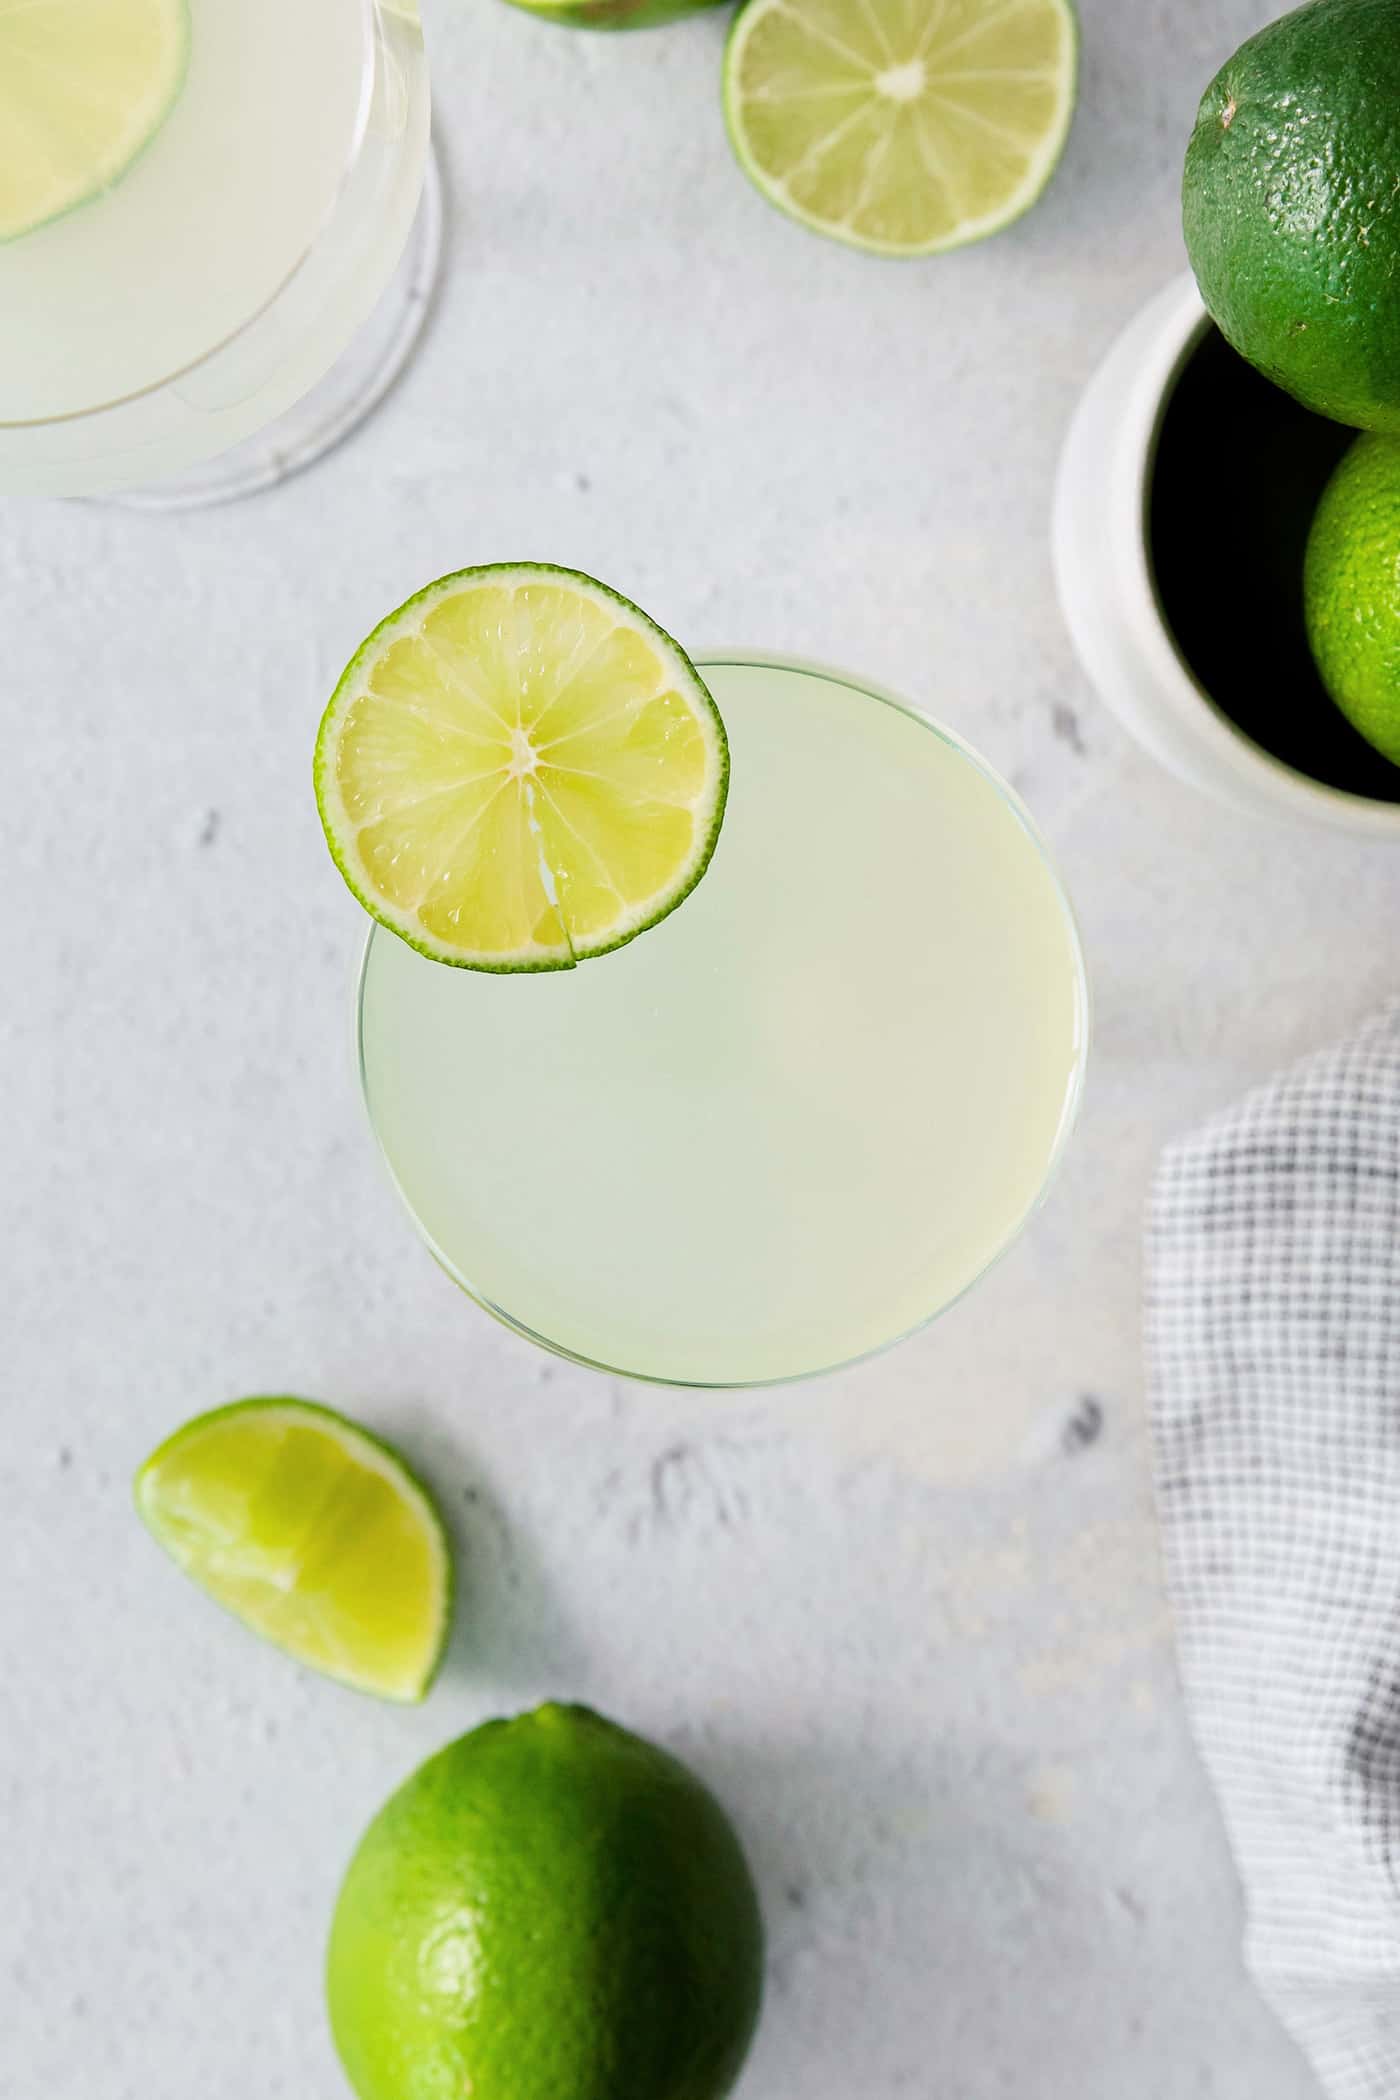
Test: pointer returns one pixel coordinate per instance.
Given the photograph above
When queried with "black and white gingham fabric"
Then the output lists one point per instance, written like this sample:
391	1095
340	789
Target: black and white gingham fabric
1274	1361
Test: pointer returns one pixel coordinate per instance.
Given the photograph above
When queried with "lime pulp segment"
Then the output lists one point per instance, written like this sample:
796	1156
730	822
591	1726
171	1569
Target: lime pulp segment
901	126
519	770
84	86
311	1531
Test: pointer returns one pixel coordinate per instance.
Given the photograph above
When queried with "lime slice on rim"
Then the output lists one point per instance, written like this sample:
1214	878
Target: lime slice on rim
901	126
84	86
520	770
311	1531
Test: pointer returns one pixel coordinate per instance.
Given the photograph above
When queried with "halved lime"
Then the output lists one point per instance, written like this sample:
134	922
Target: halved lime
311	1531
84	86
901	126
519	770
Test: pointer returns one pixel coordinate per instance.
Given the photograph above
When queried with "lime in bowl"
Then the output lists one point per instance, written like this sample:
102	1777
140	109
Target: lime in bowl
803	1111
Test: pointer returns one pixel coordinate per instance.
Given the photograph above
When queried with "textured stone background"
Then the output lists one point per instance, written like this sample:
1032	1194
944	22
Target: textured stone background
908	1621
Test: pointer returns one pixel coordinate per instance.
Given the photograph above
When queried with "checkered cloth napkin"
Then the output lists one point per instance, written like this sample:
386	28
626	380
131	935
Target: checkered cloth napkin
1274	1360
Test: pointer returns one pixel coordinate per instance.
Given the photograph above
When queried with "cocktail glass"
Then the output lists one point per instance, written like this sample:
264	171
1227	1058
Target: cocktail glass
792	1122
239	297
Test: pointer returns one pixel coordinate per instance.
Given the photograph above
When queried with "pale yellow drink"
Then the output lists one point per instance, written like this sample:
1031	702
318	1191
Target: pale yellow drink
794	1120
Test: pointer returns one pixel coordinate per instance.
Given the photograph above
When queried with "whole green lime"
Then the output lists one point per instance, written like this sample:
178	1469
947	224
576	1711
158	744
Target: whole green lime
613	14
1291	207
549	1909
1351	590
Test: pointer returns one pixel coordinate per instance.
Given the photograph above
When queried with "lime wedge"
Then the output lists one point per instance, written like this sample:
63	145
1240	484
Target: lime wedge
519	770
901	126
313	1533
84	86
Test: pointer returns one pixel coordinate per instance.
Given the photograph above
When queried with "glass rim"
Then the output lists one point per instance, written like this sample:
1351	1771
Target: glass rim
758	659
371	14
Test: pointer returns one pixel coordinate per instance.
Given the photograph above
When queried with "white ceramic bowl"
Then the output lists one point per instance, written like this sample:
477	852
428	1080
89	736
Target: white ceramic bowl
1104	572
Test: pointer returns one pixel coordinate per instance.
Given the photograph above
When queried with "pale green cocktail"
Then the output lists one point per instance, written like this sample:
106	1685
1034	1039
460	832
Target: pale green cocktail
793	1121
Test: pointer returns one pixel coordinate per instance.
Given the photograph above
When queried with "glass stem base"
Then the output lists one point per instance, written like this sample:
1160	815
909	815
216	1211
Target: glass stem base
351	390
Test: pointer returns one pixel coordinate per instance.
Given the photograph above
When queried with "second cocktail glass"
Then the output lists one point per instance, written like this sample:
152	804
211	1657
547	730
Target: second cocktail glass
207	287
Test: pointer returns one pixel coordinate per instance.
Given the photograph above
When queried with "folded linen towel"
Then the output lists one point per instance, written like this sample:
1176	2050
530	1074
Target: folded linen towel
1273	1330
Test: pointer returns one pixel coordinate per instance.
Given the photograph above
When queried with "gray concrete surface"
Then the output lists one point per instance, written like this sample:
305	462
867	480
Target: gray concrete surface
908	1621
